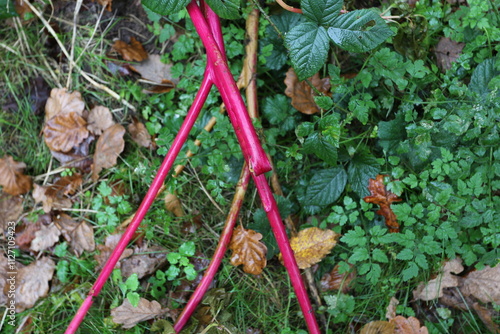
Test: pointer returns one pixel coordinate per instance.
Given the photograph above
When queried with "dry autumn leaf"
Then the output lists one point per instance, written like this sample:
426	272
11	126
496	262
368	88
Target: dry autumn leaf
99	119
45	237
486	317
105	251
482	284
32	282
105	3
302	94
82	238
12	179
56	195
131	52
378	327
140	134
434	288
447	52
128	316
61	102
78	157
108	147
173	204
11	207
155	71
409	325
383	198
337	281
248	250
144	261
311	245
391	308
65	131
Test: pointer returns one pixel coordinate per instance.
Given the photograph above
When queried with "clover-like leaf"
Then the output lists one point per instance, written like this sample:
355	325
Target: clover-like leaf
248	250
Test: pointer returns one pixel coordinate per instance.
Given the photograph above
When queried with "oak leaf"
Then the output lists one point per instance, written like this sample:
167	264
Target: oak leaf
45	237
248	250
32	282
65	131
337	281
311	245
11	207
409	325
82	238
108	147
445	279
131	52
382	197
302	94
129	316
482	284
140	134
12	179
61	102
99	119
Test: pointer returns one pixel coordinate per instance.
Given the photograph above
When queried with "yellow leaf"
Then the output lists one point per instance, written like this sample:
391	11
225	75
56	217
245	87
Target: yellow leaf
248	250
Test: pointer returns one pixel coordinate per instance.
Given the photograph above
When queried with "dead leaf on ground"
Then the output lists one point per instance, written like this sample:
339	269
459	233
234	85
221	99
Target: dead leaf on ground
105	250
65	131
409	325
131	52
140	134
482	284
378	327
22	8
108	147
486	317
99	119
61	102
25	232
78	157
173	204
302	94
248	250
11	207
154	70
434	288
56	195
382	197
391	308
105	3
32	283
337	281
12	179
144	261
311	245
82	238
128	316
45	237
447	52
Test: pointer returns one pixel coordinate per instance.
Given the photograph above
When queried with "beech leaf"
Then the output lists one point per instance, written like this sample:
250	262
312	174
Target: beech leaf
248	250
60	102
131	52
129	316
337	281
32	282
11	207
45	237
108	147
409	325
445	279
483	284
382	197
65	131
140	134
99	119
302	94
12	179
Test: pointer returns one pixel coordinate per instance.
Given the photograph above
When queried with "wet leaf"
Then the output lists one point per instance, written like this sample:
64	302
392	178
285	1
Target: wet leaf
337	281
65	131
409	325
447	52
378	327
445	279
45	237
12	179
383	198
11	207
108	147
33	282
144	261
482	284
248	250
173	204
61	102
129	316
140	134
302	94
99	119
311	245
131	52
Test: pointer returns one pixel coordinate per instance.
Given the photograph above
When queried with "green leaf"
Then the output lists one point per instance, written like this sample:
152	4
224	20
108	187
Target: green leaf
405	254
374	274
132	282
363	166
391	133
319	146
410	271
7	9
326	186
165	7
379	256
324	102
356	237
359	254
323	12
308	45
359	30
133	298
482	76
227	9
187	248
360	105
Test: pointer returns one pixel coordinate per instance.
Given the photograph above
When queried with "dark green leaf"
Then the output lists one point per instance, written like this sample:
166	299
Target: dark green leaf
319	146
308	45
277	108
482	76
228	9
359	30
326	186
165	7
363	166
7	9
391	133
323	12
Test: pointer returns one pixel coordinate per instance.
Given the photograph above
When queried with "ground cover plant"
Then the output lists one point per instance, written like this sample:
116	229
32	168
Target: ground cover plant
386	159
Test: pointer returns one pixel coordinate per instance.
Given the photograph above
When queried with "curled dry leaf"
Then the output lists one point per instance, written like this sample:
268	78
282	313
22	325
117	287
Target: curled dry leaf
311	245
337	281
248	250
61	102
378	327
445	279
56	195
173	204
32	282
99	119
447	52
155	71
64	132
140	134
45	237
391	308
383	198
108	147
144	261
131	52
409	325
105	250
129	316
12	179
11	207
482	284
302	94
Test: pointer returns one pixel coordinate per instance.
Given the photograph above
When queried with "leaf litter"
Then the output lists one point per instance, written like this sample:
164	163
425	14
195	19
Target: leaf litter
383	198
248	250
302	94
12	178
128	316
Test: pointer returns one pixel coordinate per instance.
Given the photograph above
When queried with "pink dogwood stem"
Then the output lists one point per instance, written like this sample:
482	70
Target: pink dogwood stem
163	171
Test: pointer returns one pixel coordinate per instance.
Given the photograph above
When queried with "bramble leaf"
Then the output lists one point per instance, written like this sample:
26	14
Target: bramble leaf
326	186
323	12
362	168
165	7
321	147
228	9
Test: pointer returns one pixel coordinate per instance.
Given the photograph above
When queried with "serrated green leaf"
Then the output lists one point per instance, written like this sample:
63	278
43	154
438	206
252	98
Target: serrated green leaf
410	271
133	298
379	256
324	102
362	167
165	7
374	274
319	146
359	254
421	261
227	9
361	105
405	254
308	46
323	12
326	186
482	76
391	133
356	237
359	30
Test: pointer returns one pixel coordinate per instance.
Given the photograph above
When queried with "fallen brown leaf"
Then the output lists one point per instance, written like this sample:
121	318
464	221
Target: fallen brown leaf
131	52
22	8
56	195
434	288
391	309
66	225
45	237
140	134
302	94
82	238
105	250
61	102
78	157
12	179
447	52
486	317
482	284
311	245
65	131
11	207
154	70
409	325
378	327
248	250
99	119
144	261
383	198
129	316
25	232
32	282
336	281
105	3
108	147
173	204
